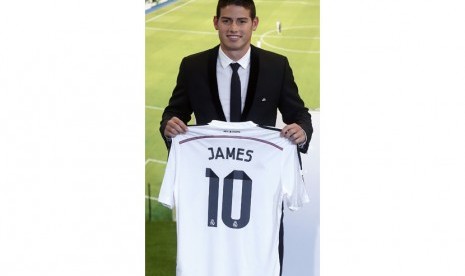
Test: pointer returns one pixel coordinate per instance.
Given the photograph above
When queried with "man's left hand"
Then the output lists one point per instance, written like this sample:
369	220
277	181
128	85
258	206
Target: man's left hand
294	133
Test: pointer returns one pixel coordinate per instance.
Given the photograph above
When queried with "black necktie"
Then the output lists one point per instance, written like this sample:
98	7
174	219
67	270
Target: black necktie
235	107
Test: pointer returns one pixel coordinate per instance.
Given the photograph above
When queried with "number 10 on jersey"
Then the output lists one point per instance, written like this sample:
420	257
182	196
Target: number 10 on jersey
213	195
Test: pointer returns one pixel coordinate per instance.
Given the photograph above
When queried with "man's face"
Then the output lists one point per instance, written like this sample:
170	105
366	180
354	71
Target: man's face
235	27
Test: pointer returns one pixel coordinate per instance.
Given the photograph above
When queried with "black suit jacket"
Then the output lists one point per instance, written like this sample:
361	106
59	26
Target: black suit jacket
271	87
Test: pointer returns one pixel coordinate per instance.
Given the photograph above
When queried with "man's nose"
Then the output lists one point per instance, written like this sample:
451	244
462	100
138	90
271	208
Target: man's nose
234	26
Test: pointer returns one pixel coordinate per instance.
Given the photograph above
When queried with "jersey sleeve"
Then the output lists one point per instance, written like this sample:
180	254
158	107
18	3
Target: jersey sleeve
166	196
295	193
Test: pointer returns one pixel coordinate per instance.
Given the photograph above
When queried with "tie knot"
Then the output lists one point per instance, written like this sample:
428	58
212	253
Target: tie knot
235	66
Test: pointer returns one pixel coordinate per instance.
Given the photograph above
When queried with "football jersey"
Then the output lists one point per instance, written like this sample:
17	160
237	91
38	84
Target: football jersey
227	182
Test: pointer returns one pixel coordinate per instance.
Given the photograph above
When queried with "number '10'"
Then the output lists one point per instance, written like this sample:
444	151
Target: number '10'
227	199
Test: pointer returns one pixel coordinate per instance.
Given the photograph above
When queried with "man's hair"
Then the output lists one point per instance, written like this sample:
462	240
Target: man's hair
247	4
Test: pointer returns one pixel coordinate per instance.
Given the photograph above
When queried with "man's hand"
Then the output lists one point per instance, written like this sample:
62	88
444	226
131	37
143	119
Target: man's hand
294	133
174	127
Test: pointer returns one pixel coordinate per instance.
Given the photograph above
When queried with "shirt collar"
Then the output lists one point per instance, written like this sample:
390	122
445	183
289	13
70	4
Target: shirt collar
225	60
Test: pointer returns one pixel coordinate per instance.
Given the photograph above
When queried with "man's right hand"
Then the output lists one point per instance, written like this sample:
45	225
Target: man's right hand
174	127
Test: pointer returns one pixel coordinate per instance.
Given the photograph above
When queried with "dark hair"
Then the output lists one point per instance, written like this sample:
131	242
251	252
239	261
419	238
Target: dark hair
247	4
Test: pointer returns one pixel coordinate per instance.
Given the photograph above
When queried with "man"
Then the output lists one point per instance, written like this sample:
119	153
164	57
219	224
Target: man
266	83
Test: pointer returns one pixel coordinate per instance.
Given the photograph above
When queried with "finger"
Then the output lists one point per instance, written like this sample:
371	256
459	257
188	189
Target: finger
291	132
176	129
173	130
294	133
295	137
168	131
299	140
178	124
285	132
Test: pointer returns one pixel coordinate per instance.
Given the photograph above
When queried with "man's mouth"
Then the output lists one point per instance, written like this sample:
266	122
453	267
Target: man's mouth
234	37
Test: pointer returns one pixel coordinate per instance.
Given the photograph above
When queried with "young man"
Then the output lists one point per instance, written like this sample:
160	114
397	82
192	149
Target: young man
266	79
266	83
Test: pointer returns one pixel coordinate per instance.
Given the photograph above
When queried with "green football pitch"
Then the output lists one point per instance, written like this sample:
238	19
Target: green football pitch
186	27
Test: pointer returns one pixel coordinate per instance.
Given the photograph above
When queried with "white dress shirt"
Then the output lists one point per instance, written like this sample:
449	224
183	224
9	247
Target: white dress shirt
223	76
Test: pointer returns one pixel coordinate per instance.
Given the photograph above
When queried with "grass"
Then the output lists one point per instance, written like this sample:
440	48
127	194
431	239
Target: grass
160	248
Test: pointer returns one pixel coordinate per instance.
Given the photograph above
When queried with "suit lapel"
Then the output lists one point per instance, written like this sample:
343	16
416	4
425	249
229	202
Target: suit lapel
212	59
253	78
251	87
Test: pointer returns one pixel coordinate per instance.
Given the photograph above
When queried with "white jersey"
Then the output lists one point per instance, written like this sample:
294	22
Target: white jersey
228	182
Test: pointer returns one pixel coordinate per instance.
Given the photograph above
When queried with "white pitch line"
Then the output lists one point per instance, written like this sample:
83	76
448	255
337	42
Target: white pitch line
154	161
294	37
151	197
288	2
154	107
262	39
289	50
181	31
170	11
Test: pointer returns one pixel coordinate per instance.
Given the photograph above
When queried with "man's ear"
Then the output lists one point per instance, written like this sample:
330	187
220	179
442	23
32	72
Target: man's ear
215	22
255	23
